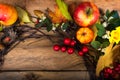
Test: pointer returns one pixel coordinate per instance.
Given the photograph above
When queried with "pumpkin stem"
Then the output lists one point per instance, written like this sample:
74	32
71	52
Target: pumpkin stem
83	34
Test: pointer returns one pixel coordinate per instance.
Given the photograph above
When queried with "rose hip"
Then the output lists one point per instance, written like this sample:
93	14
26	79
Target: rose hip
56	47
85	49
63	48
67	41
70	50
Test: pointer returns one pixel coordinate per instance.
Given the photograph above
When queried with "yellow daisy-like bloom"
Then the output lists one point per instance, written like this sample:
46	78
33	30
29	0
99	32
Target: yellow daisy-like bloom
115	35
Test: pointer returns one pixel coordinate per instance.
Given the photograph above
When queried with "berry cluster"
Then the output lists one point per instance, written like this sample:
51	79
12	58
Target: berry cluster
69	45
112	72
83	50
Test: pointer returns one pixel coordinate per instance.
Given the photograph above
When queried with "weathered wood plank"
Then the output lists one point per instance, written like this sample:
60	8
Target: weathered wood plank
38	54
33	54
45	76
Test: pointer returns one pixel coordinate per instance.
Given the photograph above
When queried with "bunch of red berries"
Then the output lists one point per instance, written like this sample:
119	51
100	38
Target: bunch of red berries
69	45
112	72
83	50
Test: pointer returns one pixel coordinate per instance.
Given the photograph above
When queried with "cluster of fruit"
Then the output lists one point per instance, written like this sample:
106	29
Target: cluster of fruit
112	72
69	46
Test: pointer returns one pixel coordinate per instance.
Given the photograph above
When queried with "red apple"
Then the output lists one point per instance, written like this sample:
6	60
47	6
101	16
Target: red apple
8	14
86	14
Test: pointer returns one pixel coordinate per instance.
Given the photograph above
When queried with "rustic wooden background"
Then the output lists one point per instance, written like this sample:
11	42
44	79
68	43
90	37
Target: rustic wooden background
37	54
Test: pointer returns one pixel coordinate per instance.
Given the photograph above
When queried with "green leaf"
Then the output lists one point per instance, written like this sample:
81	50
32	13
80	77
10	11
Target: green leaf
114	14
107	13
105	44
101	30
115	22
65	26
96	44
40	24
48	24
23	15
64	9
45	23
1	28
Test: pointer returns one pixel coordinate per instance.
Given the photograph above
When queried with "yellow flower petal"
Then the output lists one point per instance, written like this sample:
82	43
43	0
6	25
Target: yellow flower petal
115	35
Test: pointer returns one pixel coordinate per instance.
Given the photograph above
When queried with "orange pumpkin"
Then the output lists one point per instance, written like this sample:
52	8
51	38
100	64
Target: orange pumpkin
8	14
85	35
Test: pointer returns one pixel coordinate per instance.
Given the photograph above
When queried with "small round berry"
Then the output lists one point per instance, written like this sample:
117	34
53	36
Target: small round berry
80	53
67	41
72	43
106	75
56	47
108	70
115	75
117	69
7	39
118	65
85	49
63	48
70	50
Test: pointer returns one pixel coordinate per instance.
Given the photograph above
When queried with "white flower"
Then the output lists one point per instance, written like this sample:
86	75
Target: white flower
103	50
110	18
43	18
53	27
107	35
105	24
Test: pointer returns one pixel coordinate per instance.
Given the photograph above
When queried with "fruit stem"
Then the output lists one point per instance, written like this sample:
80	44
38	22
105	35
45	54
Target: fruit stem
88	11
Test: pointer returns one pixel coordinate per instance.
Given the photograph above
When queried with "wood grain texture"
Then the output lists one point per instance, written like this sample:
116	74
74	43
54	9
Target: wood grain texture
37	54
21	3
44	76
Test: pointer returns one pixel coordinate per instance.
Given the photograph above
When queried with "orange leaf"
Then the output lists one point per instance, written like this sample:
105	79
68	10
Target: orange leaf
56	16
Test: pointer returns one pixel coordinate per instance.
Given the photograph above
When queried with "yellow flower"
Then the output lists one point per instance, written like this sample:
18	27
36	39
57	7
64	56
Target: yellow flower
118	28
115	35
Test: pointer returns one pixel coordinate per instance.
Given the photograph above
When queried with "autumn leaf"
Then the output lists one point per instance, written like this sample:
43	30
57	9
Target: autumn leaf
106	60
56	16
23	15
39	13
95	32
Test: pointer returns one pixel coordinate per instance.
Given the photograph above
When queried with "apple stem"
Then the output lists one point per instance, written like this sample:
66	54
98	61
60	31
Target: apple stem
88	11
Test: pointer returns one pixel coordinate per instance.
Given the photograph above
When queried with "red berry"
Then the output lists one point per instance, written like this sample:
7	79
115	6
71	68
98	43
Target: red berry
72	43
117	69
80	53
118	65
108	70
56	47
63	48
37	21
106	75
67	41
70	50
85	49
7	39
115	74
